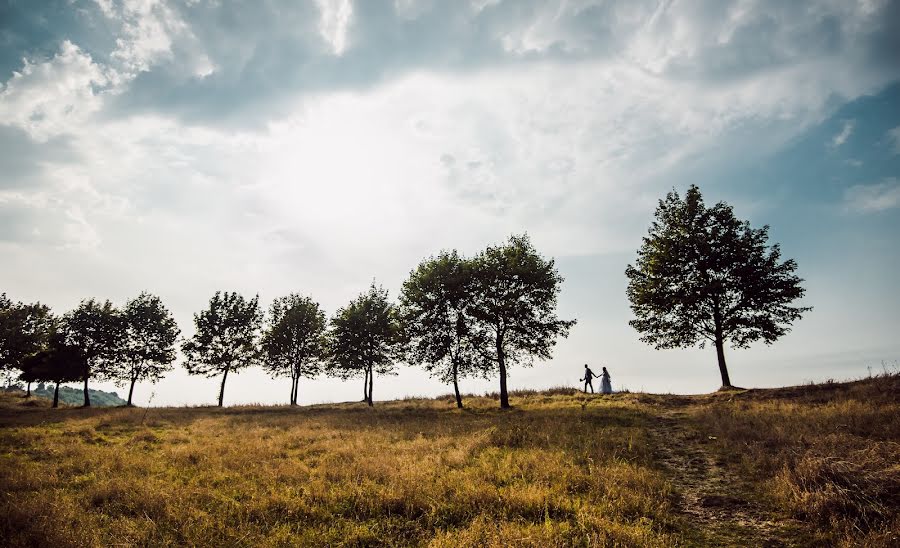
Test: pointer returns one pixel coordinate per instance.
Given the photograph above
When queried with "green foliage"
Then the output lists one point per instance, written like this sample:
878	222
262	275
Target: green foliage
516	294
703	275
74	396
97	330
24	330
226	337
437	326
293	343
59	363
148	346
364	338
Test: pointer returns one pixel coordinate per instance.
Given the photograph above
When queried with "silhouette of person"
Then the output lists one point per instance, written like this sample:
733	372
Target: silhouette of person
588	375
605	384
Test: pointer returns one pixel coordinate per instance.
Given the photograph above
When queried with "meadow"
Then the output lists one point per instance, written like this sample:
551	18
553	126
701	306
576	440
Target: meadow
802	466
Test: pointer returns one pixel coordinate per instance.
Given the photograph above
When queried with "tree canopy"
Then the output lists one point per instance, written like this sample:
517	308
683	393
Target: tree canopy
97	330
438	328
702	275
226	337
58	363
293	343
364	339
516	294
148	343
24	330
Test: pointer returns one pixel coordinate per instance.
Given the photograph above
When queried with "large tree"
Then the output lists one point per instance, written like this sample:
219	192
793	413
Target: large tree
435	315
364	339
24	331
226	337
58	363
96	329
293	342
702	275
516	293
148	344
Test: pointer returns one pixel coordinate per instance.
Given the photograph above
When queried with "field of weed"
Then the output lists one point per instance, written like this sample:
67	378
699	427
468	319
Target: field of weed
804	466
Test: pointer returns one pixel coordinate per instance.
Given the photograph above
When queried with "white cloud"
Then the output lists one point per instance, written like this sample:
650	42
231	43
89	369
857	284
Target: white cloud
335	16
874	197
841	137
55	96
894	136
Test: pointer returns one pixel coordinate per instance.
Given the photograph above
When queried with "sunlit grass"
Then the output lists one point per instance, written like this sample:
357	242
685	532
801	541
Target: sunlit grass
559	469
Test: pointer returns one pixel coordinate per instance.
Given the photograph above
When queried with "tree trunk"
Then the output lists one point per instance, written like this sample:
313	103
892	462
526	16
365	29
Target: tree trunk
459	404
720	346
723	369
366	386
222	390
56	396
371	376
28	390
501	360
87	397
131	391
293	387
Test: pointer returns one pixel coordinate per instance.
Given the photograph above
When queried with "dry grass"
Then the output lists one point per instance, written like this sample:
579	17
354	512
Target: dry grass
827	454
412	472
560	469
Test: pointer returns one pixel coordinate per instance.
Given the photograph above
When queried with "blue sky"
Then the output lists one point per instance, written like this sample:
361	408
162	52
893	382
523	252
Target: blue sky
271	147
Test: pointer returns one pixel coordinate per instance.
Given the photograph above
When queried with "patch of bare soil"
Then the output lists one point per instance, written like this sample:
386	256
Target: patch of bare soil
717	501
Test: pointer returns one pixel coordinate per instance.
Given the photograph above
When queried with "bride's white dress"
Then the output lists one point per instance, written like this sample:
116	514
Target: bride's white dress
605	384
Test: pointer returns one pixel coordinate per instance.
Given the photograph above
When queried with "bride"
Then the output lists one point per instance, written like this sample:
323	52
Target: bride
605	384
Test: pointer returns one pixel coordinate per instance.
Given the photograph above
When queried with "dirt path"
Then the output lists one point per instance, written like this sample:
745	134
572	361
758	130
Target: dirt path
711	496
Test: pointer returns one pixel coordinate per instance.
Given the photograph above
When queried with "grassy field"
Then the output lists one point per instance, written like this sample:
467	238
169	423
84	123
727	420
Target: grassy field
802	466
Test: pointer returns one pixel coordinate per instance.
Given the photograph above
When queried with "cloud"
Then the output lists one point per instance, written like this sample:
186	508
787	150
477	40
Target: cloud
841	137
53	97
873	198
894	137
333	22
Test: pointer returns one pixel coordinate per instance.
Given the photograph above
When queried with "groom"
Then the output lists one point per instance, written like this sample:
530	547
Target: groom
588	375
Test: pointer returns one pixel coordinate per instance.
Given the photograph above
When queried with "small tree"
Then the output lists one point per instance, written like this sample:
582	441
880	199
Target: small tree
516	293
97	331
148	346
24	331
364	339
293	343
437	326
226	337
57	364
703	275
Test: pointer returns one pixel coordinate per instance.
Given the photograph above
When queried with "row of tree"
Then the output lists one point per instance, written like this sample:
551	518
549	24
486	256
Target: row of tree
456	317
701	275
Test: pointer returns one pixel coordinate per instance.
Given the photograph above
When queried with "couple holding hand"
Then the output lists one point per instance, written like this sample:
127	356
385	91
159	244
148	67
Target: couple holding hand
605	384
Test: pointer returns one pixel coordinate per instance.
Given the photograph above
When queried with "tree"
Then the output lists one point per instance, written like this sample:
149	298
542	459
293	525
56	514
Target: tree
293	343
148	346
516	293
226	337
702	275
364	339
437	326
97	331
58	363
24	331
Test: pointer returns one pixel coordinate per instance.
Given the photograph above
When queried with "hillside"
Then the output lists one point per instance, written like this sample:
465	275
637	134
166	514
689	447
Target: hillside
801	466
75	396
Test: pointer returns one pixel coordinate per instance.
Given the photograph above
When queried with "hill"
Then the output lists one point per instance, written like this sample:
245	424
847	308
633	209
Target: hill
802	466
75	396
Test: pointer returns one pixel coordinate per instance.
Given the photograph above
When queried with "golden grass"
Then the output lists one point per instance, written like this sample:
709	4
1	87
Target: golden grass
560	469
827	454
412	472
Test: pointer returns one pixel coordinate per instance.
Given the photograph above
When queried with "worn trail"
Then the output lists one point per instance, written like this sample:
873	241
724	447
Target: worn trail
715	499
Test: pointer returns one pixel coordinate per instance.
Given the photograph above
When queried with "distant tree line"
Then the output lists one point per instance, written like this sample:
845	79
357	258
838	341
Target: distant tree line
456	317
701	275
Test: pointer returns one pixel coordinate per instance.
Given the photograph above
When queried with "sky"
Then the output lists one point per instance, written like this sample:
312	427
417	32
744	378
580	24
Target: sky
185	147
